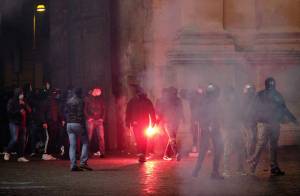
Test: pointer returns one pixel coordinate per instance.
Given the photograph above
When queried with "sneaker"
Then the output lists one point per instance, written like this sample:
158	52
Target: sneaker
48	157
97	153
178	157
85	167
62	151
76	169
276	171
166	158
32	154
23	159
6	156
226	174
216	176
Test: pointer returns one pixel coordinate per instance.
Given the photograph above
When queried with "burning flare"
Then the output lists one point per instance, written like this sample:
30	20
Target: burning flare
151	130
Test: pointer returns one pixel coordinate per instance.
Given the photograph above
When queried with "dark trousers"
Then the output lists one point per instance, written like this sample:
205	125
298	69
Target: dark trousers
195	132
34	130
140	137
171	147
18	137
250	134
215	135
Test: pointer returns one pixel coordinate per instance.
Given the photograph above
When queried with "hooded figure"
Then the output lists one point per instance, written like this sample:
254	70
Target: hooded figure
139	111
17	111
94	111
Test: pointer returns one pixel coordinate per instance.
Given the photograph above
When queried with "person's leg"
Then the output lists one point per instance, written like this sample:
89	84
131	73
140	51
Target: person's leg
72	140
33	130
100	135
274	137
85	148
227	151
194	130
240	151
218	149
204	142
262	139
253	139
171	147
141	141
22	142
90	126
14	135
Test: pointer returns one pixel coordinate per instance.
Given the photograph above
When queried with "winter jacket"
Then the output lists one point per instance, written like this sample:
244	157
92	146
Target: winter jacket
138	110
74	110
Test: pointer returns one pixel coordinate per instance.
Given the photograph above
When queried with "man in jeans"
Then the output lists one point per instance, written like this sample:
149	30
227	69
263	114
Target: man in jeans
75	128
17	111
94	111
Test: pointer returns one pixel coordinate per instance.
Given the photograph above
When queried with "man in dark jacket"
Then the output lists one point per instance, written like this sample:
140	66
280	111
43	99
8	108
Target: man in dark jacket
209	117
139	111
75	128
17	110
271	110
94	111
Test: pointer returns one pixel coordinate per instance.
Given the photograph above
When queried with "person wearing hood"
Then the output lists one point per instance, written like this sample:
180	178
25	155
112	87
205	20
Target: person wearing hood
17	110
271	111
139	113
94	110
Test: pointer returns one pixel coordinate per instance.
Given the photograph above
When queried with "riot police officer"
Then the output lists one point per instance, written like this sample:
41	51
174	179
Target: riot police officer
209	117
248	118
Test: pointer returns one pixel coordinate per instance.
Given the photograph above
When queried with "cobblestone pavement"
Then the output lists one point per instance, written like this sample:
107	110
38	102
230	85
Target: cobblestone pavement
120	175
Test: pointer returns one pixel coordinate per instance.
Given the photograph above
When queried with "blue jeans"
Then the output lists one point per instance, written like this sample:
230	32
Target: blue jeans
75	130
17	137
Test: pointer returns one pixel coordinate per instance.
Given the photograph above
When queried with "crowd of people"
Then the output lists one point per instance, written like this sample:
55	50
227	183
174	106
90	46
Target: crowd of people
49	121
45	121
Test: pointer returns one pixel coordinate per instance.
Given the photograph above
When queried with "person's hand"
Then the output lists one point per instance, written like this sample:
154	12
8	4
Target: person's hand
22	111
21	102
63	123
45	125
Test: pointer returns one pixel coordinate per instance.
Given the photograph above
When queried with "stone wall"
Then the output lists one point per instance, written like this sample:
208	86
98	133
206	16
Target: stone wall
229	42
80	53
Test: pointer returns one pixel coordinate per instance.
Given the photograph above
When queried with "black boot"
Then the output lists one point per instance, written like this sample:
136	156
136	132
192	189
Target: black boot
276	171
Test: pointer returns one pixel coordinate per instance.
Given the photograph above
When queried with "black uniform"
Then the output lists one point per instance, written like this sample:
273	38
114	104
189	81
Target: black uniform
209	117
